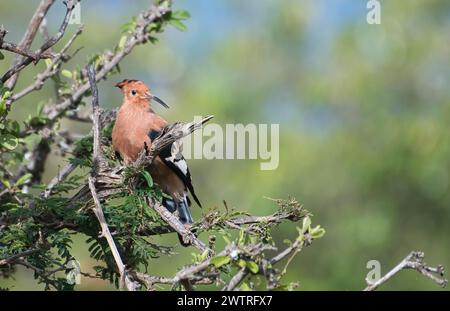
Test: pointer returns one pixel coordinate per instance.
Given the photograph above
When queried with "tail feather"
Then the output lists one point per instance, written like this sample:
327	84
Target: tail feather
183	208
184	212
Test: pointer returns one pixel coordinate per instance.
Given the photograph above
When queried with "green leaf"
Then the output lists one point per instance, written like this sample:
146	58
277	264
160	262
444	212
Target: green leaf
23	180
6	95
252	266
2	107
37	121
148	178
287	241
129	27
241	237
181	14
178	25
122	42
317	232
203	256
241	263
219	261
7	184
67	73
13	127
306	224
9	141
301	235
2	56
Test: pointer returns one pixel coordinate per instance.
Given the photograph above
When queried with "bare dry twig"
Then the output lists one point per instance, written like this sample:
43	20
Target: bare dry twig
415	261
18	256
174	222
46	74
29	35
62	174
70	4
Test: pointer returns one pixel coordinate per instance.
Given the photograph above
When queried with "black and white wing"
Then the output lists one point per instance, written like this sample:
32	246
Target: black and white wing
173	158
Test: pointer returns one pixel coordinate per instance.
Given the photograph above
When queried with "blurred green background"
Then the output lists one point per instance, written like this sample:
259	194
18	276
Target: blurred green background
364	114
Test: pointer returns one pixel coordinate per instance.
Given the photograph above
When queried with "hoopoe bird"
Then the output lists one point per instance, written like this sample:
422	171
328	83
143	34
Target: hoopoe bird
135	127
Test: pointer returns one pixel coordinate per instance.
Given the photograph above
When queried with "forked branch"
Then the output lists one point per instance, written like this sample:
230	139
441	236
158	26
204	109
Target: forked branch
415	261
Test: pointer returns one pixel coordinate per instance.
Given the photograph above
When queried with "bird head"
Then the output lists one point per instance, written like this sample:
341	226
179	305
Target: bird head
137	92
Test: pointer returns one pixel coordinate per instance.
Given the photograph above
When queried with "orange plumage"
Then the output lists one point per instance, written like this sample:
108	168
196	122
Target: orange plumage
136	125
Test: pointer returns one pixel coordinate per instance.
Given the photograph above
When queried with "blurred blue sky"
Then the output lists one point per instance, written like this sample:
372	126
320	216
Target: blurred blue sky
214	21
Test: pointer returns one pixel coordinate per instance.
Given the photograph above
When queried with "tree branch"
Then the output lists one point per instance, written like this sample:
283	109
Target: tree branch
18	256
29	35
174	222
415	261
236	280
70	4
47	73
124	278
62	174
11	47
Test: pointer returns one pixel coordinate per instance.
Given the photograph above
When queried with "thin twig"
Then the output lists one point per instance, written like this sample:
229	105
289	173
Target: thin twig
70	4
11	47
236	280
62	174
415	261
15	257
294	247
174	222
47	73
29	35
95	115
107	235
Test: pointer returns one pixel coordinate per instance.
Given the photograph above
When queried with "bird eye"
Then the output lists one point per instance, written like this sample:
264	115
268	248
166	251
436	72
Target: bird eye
133	92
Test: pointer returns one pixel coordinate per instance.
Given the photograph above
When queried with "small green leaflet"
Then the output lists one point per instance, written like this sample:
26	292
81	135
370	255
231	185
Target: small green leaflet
219	261
9	141
148	178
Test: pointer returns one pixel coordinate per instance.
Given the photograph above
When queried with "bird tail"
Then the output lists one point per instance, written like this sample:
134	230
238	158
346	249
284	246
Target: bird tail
183	208
184	212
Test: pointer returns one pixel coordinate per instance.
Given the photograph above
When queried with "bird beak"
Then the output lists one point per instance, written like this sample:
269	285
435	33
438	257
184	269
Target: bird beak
158	100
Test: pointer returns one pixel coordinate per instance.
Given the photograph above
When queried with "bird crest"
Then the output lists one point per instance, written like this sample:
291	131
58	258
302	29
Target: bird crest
122	83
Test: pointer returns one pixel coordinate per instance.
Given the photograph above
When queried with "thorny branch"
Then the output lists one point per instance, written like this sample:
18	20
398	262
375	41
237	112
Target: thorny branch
48	73
70	4
28	38
415	261
125	281
11	47
175	223
18	256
